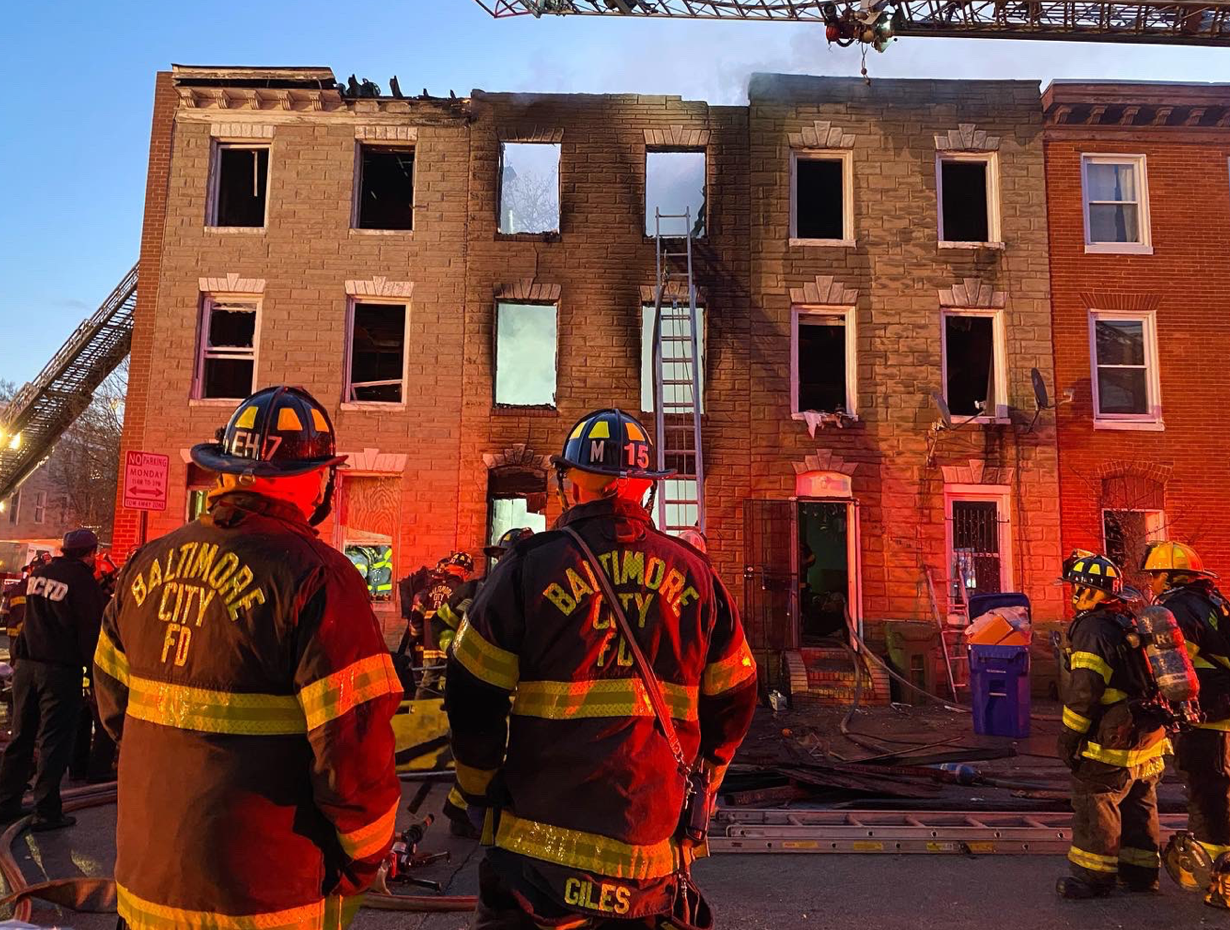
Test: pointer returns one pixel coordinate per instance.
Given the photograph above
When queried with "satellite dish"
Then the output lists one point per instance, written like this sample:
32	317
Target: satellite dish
1040	396
942	405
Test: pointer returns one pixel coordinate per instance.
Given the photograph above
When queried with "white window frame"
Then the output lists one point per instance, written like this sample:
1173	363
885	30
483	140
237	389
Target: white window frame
799	314
1155	524
1152	418
15	506
499	190
215	176
495	356
703	317
1001	496
999	361
208	302
994	230
846	157
355	204
1140	162
40	506
347	403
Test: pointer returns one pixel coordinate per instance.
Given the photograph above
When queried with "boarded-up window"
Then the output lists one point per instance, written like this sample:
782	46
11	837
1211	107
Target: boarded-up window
367	519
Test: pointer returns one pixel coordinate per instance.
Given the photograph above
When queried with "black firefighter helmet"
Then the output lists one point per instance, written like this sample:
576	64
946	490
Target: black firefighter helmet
1091	570
507	540
610	442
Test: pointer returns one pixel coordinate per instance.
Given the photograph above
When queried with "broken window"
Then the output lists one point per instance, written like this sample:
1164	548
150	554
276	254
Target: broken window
367	522
1127	533
386	187
1125	353
241	184
516	496
970	365
529	187
226	369
377	357
965	200
1116	200
823	382
820	198
676	359
525	337
674	186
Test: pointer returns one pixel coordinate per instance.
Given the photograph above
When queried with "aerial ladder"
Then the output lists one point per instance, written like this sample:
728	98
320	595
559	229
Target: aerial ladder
44	408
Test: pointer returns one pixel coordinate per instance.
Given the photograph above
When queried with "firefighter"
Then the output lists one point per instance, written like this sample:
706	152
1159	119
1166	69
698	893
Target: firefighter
13	609
451	613
242	670
1112	744
553	730
451	572
64	606
1183	585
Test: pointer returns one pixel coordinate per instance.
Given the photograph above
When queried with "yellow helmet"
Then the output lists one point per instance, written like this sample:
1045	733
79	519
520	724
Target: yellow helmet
1171	556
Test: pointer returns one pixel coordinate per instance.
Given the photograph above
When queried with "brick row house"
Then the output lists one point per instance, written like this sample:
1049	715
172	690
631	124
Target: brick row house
459	280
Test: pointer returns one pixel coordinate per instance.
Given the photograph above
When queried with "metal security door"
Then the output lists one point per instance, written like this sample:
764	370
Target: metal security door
770	578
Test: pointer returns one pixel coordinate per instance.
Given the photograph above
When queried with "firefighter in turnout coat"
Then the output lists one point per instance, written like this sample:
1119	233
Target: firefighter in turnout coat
553	732
242	668
1113	748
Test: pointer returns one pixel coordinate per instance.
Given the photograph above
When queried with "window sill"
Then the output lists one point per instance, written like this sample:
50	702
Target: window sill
824	243
1149	426
373	405
850	418
649	237
553	236
1118	248
356	231
236	230
985	421
505	410
994	246
214	401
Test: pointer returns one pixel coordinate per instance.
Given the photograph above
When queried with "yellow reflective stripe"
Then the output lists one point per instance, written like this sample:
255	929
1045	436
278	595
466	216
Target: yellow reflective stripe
1091	661
1223	725
446	614
110	659
338	694
615	697
1112	696
16	600
589	852
1127	758
327	914
473	781
1074	721
485	661
1213	849
456	799
207	711
1146	858
371	839
1092	861
729	672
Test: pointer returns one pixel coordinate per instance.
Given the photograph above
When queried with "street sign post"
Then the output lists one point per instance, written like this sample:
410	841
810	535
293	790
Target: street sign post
145	484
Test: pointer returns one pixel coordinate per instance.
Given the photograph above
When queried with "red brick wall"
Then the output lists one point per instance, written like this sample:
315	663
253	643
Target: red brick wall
1185	279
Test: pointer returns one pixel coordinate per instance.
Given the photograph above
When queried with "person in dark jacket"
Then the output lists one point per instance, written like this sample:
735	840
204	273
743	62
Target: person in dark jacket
553	732
1114	751
245	676
64	606
451	573
1186	588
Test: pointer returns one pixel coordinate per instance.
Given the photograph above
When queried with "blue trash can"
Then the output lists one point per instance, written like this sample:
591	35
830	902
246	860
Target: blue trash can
999	686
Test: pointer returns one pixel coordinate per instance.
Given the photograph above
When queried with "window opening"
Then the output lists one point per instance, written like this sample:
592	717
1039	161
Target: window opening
964	213
529	187
386	187
40	506
1127	533
228	353
676	358
377	353
969	356
822	363
15	507
819	199
242	185
675	183
525	354
976	563
515	497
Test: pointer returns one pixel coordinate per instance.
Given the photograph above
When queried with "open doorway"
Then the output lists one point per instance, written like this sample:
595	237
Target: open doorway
824	569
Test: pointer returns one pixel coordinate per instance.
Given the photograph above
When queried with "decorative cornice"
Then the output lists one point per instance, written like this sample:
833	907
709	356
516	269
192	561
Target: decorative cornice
260	98
677	137
386	133
825	291
674	290
373	460
380	287
973	293
821	134
530	134
528	289
517	456
825	460
976	472
1104	300
241	130
966	138
231	284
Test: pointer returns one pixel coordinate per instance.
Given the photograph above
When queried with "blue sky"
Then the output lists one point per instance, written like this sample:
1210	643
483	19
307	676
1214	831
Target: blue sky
79	85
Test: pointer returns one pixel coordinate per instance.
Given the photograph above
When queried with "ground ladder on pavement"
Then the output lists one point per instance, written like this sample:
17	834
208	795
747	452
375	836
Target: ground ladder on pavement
677	376
44	408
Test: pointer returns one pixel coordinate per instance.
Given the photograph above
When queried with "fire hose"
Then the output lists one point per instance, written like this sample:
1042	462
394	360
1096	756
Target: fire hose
98	895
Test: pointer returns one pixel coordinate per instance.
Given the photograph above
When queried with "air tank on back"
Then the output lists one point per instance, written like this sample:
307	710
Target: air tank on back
1167	651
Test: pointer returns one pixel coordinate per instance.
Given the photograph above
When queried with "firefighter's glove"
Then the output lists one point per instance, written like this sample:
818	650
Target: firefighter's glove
1069	748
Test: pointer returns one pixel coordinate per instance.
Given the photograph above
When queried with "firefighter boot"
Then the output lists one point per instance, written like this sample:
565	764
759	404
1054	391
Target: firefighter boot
1187	862
1218	894
1077	889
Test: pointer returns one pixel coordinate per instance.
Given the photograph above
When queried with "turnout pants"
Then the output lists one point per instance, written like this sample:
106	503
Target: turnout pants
1203	757
1114	825
498	910
46	705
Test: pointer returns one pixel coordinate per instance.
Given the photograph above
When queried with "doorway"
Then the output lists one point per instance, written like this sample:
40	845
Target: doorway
824	569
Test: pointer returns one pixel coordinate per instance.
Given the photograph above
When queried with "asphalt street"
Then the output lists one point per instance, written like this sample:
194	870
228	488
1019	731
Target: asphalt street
749	892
